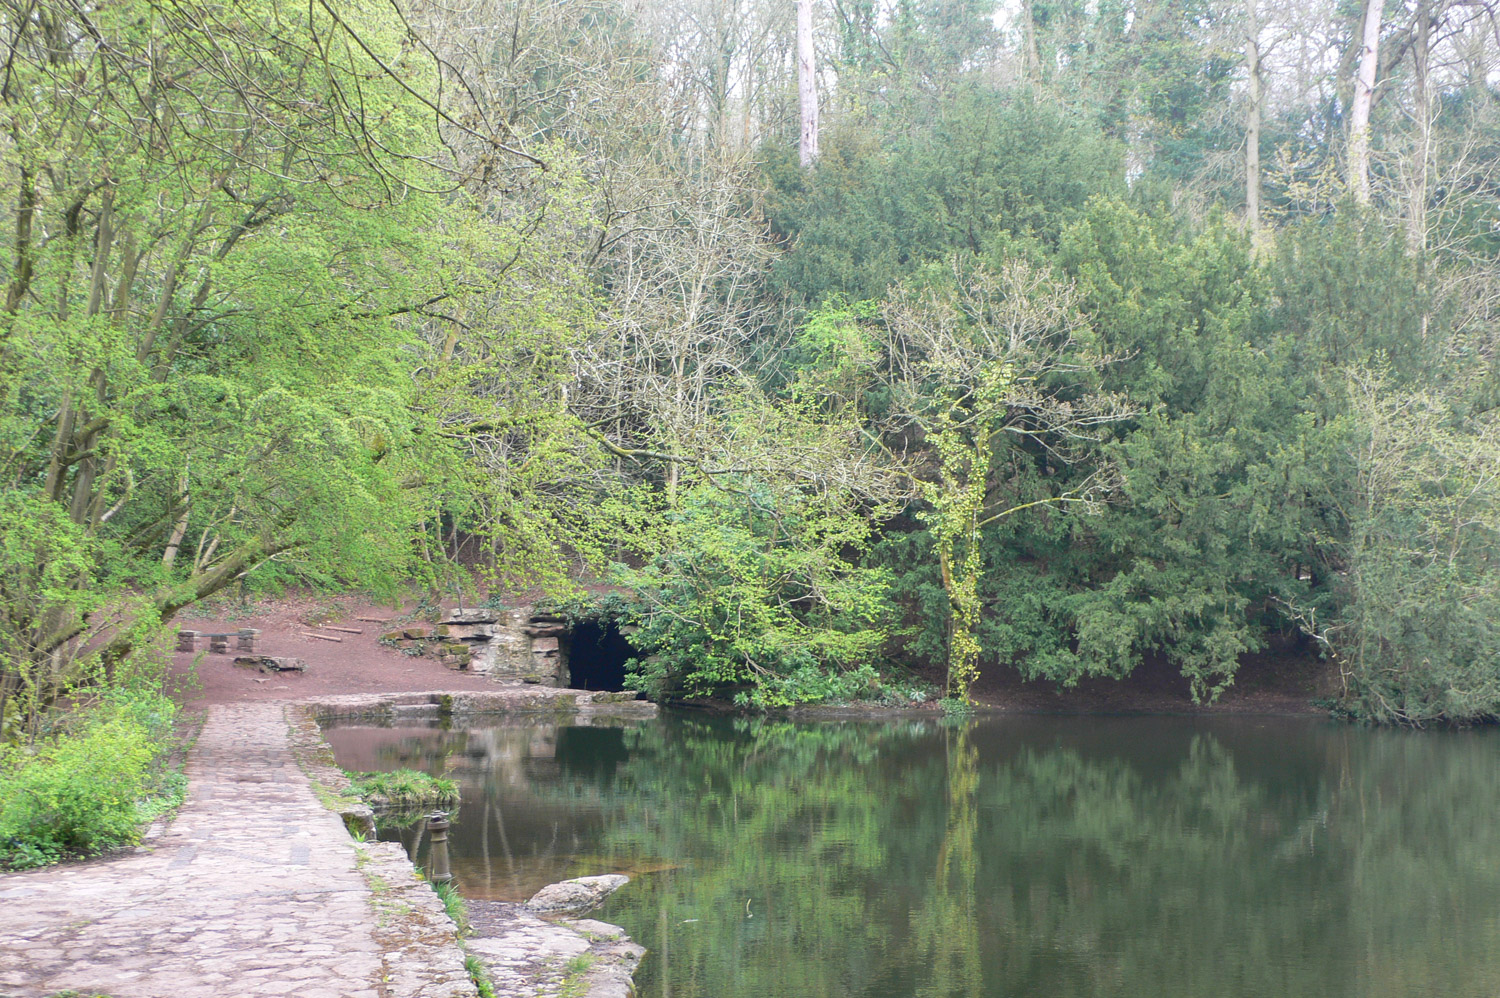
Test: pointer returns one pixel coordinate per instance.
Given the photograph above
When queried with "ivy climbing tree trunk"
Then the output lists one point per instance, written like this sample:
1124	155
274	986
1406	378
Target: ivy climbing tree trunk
980	358
955	503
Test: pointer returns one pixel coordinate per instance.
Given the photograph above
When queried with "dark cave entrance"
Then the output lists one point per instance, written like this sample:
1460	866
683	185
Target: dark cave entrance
597	653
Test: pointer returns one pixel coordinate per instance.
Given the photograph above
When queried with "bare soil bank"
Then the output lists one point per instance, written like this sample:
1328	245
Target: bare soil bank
1281	681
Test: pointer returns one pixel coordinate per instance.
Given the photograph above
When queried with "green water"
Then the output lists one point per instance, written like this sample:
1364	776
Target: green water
1031	856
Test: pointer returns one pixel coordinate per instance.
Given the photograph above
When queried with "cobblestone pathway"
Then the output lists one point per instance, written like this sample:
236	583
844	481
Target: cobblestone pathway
254	889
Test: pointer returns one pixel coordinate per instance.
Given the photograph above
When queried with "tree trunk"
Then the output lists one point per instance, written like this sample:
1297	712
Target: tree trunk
1252	119
807	84
1364	96
1032	57
179	529
25	212
1421	174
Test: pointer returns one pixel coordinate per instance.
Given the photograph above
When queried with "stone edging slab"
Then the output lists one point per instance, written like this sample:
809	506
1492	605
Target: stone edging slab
387	707
528	955
422	955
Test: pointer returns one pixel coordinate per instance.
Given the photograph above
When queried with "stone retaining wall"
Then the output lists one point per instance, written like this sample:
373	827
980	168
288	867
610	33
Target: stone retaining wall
524	955
519	644
467	704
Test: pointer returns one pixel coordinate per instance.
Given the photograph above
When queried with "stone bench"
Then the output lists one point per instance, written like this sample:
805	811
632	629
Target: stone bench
246	639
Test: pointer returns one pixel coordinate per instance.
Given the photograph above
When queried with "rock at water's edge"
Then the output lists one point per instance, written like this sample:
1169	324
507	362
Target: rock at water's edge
577	895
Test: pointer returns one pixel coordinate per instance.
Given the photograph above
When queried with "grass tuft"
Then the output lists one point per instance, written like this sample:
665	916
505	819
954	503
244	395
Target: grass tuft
403	788
480	976
453	904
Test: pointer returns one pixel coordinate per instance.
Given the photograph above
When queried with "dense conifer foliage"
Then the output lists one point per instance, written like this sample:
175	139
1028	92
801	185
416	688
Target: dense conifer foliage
1090	333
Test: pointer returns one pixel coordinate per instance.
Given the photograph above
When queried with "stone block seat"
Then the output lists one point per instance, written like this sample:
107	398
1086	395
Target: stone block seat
246	639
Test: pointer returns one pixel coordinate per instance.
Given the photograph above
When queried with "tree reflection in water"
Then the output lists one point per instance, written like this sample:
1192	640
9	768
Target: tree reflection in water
947	925
1016	856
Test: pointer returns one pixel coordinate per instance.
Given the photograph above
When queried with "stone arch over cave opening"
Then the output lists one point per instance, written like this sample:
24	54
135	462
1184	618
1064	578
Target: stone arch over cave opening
597	653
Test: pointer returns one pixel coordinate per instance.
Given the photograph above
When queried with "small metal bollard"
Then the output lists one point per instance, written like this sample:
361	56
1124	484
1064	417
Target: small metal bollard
437	859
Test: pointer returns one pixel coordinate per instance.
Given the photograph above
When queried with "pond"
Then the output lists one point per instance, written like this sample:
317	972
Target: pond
1035	856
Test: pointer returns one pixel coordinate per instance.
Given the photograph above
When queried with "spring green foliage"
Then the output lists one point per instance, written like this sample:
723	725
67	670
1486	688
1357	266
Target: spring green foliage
217	361
88	785
479	975
1415	624
759	593
453	904
458	911
332	298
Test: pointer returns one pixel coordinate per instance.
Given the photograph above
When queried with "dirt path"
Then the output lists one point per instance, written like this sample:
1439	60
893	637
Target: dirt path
254	889
356	663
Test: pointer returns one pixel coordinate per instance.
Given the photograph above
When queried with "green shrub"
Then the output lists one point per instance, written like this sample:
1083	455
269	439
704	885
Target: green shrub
86	788
758	593
956	707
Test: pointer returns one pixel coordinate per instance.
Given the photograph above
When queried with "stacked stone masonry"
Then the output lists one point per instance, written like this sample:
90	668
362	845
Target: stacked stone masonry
516	644
246	641
449	645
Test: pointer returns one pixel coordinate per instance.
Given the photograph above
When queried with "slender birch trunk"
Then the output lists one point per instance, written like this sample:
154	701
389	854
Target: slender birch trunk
1421	175
1364	97
807	84
1032	66
1252	118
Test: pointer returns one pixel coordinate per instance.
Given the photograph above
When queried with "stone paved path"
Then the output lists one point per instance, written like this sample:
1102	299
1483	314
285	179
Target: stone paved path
254	889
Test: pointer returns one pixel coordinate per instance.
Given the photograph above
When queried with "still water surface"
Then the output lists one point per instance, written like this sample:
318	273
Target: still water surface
1034	856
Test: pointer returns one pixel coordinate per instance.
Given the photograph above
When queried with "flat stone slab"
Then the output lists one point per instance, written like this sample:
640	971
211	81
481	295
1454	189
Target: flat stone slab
579	894
472	615
528	956
470	632
513	699
254	889
270	663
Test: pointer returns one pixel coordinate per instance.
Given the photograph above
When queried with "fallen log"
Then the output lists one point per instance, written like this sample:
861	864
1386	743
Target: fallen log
321	637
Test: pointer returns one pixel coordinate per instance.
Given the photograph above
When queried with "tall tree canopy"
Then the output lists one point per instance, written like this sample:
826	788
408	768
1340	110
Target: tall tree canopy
1094	333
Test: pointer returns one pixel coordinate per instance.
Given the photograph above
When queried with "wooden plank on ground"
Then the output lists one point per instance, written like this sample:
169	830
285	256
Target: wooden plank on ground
345	630
321	637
